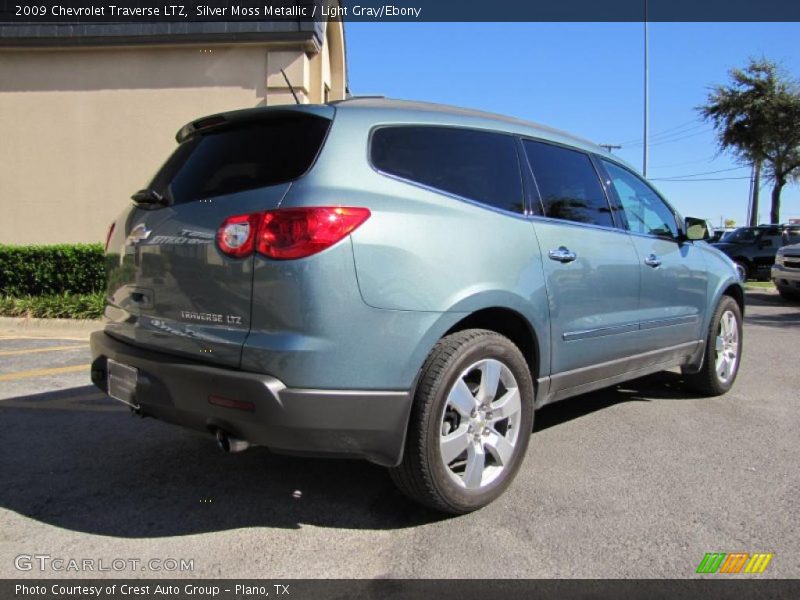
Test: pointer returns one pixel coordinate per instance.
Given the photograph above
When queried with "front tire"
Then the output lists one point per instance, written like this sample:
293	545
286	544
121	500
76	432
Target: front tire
742	270
470	423
723	351
787	294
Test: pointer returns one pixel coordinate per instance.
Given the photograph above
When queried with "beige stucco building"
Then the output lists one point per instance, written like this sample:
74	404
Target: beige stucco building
89	112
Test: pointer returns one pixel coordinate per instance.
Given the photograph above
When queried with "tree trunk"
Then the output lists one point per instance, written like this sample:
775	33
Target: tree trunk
775	213
754	202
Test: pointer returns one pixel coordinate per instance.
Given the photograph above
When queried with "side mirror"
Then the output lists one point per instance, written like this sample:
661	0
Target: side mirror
697	229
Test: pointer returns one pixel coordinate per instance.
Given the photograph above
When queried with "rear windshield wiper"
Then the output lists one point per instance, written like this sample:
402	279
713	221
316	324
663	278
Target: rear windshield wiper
148	196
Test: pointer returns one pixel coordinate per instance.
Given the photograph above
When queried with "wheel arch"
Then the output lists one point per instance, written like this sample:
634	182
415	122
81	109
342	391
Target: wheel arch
508	323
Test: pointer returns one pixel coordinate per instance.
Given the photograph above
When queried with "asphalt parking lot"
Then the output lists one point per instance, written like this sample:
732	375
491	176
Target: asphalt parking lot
636	481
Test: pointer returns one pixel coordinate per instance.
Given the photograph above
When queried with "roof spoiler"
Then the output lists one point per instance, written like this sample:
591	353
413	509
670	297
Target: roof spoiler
252	114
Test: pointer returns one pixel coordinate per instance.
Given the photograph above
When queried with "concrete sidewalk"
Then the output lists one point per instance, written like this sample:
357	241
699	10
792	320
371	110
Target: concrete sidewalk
48	328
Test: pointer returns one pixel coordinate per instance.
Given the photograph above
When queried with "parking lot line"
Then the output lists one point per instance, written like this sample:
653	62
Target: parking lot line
62	338
32	350
42	372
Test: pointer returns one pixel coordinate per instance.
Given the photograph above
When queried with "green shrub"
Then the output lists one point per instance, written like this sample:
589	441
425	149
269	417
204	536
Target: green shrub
54	306
51	270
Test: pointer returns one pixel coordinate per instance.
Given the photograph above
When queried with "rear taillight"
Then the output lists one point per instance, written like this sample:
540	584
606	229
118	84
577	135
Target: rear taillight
236	235
300	232
109	234
289	233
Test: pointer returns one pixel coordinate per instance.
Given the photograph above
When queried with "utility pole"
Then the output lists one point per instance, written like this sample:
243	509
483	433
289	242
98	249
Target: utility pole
610	147
754	199
646	94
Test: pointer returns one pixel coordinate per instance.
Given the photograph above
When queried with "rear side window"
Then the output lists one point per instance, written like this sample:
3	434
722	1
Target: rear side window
568	184
246	156
478	165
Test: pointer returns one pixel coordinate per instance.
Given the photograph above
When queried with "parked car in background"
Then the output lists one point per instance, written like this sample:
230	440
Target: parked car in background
753	249
718	233
403	283
786	271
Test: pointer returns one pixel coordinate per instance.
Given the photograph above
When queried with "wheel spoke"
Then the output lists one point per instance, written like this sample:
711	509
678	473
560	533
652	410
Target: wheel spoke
490	379
461	398
499	447
453	444
722	368
506	406
476	461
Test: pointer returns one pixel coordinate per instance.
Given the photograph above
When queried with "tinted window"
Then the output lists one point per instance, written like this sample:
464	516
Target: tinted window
645	211
568	184
791	235
251	155
478	165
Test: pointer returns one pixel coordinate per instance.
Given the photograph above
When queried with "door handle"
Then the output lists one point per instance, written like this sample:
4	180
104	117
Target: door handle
652	261
562	255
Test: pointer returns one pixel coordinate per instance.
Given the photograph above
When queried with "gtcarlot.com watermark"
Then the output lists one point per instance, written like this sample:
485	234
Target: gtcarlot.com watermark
47	563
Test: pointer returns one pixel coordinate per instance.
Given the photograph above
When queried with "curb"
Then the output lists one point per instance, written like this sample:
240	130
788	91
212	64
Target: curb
49	328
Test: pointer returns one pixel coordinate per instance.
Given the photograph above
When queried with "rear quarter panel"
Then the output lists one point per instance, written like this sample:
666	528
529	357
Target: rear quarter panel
421	250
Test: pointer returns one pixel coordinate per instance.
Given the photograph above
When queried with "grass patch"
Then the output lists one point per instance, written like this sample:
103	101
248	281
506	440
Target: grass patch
54	306
759	285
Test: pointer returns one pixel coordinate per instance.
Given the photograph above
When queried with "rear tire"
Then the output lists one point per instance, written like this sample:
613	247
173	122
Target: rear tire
470	423
723	351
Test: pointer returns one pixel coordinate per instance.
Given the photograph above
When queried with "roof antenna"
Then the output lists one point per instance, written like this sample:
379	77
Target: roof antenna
291	89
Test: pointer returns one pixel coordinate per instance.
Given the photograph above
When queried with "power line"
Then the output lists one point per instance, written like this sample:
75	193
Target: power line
639	140
688	162
706	179
703	173
669	140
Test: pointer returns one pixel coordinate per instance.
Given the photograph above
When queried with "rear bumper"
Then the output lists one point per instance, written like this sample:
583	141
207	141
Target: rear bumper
339	423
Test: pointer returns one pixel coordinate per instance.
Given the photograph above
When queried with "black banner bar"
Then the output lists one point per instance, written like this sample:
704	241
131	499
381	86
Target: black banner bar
173	11
727	588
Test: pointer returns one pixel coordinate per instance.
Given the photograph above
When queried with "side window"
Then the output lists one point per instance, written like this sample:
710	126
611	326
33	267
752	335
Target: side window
645	210
774	236
479	165
568	184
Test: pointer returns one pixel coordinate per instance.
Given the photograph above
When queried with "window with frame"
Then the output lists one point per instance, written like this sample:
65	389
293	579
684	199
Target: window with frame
568	184
644	209
478	165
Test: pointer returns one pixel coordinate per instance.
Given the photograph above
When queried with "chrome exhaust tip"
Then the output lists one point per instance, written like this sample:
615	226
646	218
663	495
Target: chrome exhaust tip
230	445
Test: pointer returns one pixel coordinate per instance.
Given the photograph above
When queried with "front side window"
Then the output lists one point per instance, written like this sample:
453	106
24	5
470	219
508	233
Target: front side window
479	165
645	210
568	184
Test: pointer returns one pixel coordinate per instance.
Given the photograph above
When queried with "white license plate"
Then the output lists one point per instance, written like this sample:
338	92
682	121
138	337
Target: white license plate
122	382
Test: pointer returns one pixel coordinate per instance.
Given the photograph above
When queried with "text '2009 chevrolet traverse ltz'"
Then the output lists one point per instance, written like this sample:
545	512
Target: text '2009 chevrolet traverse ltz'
404	283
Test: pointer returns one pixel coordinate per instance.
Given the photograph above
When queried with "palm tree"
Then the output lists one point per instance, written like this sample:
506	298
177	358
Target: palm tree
757	118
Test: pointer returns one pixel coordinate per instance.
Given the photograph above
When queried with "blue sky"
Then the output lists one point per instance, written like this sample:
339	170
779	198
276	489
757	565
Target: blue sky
586	78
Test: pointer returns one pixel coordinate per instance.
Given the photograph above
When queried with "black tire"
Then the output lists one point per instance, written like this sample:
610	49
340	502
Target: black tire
423	475
788	294
707	381
743	267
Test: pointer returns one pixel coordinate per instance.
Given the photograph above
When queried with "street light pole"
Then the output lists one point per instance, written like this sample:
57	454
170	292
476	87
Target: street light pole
646	94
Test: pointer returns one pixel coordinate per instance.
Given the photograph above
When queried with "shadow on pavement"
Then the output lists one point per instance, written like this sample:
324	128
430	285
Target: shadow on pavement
789	317
660	386
76	460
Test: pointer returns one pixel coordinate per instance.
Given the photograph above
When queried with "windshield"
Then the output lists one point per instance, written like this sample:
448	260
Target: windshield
743	235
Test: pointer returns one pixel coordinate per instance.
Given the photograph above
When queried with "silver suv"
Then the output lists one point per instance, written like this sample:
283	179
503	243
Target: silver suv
404	283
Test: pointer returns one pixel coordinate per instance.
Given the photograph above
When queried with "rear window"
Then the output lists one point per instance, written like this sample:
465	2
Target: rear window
478	165
241	157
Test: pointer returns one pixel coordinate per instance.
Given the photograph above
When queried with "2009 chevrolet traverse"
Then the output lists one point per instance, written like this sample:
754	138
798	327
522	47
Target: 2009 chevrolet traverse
404	283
